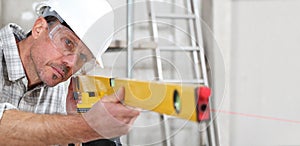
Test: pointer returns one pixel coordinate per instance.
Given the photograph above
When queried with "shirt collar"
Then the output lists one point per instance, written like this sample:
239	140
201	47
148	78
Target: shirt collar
12	32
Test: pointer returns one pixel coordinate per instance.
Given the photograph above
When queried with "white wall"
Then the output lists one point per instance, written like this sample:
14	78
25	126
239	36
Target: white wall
265	73
221	53
20	12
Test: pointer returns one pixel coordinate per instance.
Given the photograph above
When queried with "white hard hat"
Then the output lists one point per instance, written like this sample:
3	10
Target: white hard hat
91	20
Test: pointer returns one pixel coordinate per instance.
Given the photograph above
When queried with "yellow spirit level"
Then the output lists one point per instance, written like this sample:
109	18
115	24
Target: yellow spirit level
184	101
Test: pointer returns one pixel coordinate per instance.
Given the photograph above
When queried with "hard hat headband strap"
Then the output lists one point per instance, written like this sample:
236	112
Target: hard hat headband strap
48	12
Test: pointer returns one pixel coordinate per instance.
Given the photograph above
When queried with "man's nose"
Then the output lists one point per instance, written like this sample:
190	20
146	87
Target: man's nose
69	60
72	61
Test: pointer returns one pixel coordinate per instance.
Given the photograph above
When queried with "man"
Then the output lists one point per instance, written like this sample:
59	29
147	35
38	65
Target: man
35	66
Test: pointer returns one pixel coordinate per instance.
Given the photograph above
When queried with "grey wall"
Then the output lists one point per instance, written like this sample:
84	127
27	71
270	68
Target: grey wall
265	72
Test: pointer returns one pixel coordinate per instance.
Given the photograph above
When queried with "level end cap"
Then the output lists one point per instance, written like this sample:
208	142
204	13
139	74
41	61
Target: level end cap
204	92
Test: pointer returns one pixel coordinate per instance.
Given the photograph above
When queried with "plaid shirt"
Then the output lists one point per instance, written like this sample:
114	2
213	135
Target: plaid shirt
14	93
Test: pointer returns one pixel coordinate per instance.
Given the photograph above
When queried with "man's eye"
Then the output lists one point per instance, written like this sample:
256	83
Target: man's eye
83	57
69	45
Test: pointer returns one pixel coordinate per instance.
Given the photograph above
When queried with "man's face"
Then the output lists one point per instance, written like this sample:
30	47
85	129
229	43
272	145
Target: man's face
57	54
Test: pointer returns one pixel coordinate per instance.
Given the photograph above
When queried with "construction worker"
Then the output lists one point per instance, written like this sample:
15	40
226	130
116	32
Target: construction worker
36	105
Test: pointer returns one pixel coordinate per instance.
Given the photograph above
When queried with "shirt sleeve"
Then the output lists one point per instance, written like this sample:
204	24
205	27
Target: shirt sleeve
4	107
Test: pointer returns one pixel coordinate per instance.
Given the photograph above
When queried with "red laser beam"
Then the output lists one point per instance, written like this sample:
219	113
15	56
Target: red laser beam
255	116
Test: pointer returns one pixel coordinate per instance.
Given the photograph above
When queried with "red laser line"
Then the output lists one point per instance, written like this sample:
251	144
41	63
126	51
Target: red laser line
256	116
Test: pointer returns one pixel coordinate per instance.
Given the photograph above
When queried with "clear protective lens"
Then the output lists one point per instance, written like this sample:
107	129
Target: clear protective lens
88	66
64	39
68	44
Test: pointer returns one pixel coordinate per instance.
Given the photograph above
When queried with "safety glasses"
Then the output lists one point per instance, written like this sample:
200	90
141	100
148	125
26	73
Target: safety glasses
68	44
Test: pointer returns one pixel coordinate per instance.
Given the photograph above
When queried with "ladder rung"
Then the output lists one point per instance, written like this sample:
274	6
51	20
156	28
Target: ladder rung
183	48
118	45
176	16
185	81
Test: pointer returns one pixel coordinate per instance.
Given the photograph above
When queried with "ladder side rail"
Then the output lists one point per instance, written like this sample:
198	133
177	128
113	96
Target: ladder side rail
212	130
195	42
129	36
129	40
165	128
192	29
154	33
199	40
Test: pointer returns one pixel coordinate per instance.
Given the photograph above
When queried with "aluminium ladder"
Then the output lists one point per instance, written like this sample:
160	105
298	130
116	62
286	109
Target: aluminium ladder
195	49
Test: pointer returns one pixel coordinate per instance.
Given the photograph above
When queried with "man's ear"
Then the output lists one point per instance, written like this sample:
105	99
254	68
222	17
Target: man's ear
39	26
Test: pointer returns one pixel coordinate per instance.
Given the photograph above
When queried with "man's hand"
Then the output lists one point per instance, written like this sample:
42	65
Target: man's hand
109	117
